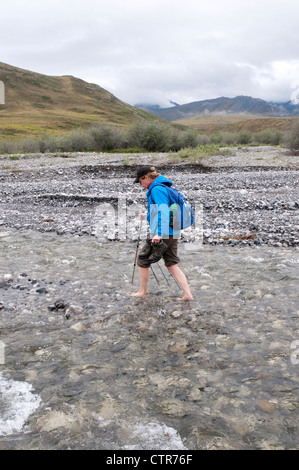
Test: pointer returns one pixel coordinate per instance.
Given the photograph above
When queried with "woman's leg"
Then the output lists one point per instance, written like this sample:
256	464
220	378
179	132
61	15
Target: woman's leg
143	279
182	281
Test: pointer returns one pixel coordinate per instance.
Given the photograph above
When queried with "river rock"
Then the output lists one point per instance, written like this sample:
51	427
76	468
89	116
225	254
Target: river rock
173	407
73	310
176	313
266	406
53	420
179	347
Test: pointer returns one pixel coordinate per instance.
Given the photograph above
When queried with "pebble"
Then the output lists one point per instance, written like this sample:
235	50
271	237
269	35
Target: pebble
176	313
78	326
266	406
179	347
42	290
73	310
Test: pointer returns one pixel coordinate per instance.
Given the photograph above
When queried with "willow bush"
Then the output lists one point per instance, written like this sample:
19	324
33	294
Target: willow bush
292	138
145	136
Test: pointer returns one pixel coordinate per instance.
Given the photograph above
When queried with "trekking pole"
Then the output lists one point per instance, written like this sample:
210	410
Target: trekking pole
155	275
137	246
163	274
176	281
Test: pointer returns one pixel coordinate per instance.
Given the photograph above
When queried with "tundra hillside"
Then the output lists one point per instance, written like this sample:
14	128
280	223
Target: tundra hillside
37	103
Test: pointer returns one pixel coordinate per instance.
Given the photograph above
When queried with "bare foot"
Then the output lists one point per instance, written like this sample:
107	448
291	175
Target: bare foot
139	294
186	297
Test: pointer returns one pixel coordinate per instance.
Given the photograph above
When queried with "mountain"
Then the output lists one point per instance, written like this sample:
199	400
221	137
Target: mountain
37	103
223	105
153	107
288	107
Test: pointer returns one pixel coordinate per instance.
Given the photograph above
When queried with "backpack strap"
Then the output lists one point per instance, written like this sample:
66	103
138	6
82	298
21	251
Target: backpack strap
163	186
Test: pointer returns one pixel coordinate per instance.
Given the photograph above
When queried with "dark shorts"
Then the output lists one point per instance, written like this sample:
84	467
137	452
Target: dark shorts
170	256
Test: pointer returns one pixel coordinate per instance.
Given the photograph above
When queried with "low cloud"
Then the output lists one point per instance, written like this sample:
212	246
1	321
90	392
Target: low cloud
159	50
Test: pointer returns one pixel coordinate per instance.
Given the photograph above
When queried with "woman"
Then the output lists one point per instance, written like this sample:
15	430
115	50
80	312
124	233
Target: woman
163	239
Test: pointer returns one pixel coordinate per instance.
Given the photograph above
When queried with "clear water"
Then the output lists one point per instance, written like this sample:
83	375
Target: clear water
124	373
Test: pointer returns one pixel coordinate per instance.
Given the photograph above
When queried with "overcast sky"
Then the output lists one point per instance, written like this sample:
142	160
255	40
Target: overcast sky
152	51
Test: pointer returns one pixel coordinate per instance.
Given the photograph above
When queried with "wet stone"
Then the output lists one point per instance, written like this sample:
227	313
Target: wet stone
42	290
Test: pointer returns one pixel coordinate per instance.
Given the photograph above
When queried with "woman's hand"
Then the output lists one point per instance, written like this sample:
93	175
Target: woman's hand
156	239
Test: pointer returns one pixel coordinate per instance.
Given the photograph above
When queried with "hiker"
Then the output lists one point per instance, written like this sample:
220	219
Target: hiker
163	238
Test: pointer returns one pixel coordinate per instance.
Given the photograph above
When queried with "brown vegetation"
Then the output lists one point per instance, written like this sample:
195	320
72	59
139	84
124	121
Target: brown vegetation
212	123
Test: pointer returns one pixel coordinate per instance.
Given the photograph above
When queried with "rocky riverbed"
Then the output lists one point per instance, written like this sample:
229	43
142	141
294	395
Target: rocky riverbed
83	365
249	198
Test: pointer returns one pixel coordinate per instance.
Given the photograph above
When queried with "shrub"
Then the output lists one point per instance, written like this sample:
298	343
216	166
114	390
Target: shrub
8	147
29	146
204	139
229	138
189	138
105	138
216	138
243	137
175	140
48	143
153	137
76	141
268	137
293	137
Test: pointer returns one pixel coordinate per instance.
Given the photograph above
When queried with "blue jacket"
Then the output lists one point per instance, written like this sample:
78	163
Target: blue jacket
158	215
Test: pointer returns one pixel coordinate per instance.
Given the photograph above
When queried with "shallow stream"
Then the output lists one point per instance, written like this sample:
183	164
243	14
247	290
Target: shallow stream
86	366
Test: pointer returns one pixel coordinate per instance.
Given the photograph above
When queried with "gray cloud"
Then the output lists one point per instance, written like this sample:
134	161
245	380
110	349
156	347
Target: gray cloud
155	50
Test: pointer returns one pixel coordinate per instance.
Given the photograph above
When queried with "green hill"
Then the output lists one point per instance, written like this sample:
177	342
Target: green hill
37	103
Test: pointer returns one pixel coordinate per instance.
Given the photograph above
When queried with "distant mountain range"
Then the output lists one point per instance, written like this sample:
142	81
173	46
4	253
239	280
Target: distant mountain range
223	105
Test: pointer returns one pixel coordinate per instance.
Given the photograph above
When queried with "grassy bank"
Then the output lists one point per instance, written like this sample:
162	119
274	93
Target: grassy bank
149	137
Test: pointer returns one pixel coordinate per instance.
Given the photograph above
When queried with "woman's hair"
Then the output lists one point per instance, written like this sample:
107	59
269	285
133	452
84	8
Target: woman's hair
153	174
